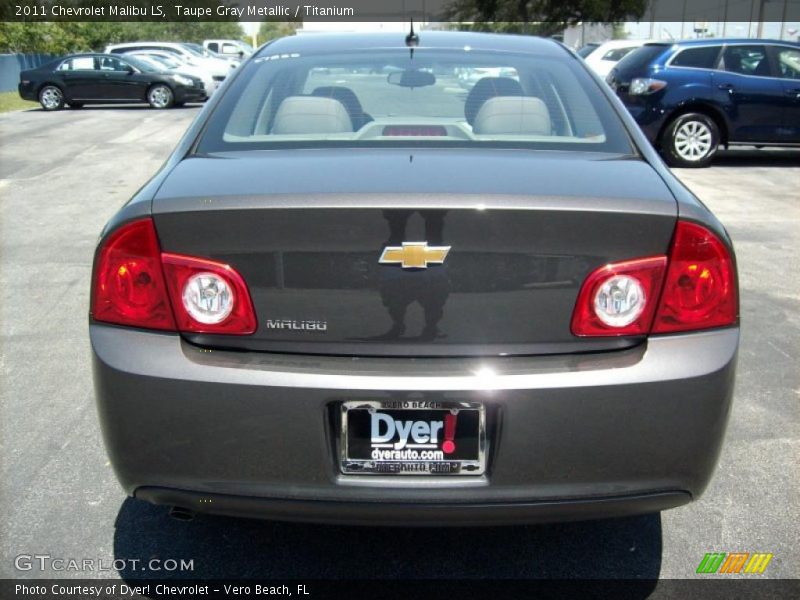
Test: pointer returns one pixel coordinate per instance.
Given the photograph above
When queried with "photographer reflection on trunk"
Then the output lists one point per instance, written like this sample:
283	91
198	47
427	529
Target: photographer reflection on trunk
402	285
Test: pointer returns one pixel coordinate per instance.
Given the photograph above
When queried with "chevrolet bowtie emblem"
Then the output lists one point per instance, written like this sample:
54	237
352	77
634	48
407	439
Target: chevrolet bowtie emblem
414	255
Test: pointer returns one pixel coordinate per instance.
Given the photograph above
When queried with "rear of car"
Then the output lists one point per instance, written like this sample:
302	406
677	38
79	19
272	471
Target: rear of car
603	58
691	97
360	293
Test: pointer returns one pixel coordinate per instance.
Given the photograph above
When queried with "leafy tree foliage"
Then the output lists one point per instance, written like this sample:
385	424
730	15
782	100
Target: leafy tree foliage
270	30
68	37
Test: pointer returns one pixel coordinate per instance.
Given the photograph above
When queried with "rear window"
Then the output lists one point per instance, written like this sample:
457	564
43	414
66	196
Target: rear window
637	61
433	97
698	58
618	53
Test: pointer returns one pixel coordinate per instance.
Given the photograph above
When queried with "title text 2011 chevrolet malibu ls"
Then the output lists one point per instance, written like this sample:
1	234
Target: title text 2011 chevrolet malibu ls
359	293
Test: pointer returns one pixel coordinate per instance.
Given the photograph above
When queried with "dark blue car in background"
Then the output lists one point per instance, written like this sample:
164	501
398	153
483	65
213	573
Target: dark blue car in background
691	97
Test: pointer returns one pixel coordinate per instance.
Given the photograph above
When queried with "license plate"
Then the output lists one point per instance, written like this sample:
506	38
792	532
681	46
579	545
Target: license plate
413	437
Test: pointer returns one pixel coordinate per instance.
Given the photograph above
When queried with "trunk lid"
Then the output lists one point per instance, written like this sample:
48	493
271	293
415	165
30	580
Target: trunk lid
306	229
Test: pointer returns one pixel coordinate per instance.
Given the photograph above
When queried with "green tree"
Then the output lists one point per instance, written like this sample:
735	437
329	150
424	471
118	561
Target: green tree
539	17
271	30
72	36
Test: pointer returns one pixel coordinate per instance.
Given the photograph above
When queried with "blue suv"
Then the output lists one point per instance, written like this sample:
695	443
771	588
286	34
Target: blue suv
691	97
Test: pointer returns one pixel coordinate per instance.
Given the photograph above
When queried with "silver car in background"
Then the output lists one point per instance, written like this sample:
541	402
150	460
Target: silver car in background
176	64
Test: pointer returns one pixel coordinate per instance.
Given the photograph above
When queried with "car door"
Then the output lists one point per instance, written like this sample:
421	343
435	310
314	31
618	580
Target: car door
80	77
748	89
787	61
120	80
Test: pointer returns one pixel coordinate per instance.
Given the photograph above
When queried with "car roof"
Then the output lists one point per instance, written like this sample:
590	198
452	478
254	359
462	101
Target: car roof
151	43
333	42
622	43
88	54
720	41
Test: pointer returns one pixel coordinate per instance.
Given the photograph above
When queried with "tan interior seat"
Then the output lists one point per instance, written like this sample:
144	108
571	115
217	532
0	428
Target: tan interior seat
311	114
513	115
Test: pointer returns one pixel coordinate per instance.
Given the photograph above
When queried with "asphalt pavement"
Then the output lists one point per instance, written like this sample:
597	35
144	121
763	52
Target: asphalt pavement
63	174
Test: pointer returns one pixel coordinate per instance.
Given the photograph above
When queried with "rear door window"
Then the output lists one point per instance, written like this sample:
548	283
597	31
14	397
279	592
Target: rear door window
697	58
747	60
79	63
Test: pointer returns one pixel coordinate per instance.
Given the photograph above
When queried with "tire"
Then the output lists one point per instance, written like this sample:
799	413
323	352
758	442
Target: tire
75	104
690	140
51	97
160	96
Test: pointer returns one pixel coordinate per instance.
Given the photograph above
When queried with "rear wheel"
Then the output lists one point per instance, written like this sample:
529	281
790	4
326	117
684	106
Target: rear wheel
160	96
690	140
51	98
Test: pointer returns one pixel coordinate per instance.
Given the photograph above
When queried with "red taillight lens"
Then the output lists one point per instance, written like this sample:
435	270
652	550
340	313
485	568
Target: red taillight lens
136	284
129	286
619	298
208	297
700	288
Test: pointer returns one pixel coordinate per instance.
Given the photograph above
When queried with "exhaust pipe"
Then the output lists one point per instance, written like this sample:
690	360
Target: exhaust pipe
181	514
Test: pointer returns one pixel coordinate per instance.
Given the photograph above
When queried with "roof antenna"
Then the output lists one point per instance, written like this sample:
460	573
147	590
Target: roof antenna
412	39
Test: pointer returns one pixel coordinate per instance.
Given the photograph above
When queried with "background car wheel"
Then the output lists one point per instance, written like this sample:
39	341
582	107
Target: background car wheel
691	140
51	97
160	96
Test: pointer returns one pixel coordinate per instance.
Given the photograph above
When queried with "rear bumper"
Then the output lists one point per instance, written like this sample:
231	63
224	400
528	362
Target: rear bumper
27	91
650	116
418	514
571	437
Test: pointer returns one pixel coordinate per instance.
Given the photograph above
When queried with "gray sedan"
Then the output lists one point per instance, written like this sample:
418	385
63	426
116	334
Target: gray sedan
360	293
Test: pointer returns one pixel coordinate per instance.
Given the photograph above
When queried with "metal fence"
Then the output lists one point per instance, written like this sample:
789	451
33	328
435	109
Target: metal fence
12	64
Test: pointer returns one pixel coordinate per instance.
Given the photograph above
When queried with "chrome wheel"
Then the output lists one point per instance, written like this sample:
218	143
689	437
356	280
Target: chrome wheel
160	96
51	98
693	141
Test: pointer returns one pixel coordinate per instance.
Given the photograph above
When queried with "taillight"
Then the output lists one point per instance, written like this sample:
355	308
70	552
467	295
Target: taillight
693	288
700	288
136	284
129	287
619	298
207	296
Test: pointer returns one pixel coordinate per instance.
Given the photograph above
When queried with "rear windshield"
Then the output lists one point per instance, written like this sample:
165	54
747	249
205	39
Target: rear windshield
636	62
433	97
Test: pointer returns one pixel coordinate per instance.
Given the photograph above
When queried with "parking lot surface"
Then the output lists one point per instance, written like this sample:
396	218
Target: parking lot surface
63	174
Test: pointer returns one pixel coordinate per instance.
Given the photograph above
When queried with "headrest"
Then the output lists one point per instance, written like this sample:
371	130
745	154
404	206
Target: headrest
509	115
311	114
485	88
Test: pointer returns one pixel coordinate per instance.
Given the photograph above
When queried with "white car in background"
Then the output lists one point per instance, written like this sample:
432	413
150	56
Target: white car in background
229	47
218	68
176	64
603	58
469	76
235	60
